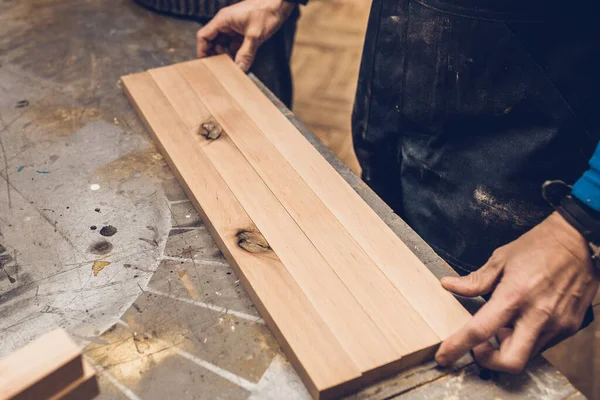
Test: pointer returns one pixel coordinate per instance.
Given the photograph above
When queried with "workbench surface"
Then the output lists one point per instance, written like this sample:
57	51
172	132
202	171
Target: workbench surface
97	236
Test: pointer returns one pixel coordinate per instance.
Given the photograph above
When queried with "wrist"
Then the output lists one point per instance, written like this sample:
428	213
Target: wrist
281	7
574	216
568	236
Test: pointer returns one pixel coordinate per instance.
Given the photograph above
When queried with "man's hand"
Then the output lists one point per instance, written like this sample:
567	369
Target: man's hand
542	284
241	28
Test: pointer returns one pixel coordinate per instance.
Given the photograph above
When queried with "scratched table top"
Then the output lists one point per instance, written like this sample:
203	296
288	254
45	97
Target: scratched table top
96	235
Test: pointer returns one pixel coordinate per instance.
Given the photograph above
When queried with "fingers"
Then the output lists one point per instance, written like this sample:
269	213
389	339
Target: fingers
495	314
515	350
569	317
207	43
208	33
245	55
476	283
504	333
546	340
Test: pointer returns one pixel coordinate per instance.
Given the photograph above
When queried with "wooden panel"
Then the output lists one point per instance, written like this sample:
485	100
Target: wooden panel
42	368
309	343
303	266
362	340
422	290
374	292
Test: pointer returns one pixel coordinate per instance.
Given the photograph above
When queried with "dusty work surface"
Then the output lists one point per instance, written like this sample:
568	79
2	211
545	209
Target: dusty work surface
98	237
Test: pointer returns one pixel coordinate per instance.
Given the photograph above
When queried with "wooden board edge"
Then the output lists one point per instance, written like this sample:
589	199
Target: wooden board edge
418	271
346	257
316	392
86	387
46	383
381	373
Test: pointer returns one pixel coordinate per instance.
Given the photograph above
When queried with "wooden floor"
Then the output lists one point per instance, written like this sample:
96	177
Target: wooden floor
578	358
325	65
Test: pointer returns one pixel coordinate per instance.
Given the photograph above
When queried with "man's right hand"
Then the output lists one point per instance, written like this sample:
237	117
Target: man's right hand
242	28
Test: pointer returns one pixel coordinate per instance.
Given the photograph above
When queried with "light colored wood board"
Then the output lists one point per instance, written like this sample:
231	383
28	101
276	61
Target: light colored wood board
328	115
424	292
325	65
394	316
41	368
578	358
330	78
313	349
359	336
84	388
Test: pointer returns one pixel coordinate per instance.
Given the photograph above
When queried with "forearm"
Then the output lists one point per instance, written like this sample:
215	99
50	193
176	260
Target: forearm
587	188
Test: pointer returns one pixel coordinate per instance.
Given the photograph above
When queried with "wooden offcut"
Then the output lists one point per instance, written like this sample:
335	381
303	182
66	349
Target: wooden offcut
50	367
346	299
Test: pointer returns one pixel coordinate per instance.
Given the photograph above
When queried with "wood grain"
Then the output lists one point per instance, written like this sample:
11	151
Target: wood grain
374	292
421	289
344	314
309	343
361	339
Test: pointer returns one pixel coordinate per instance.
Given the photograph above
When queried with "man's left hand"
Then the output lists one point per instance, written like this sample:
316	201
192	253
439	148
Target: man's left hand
542	284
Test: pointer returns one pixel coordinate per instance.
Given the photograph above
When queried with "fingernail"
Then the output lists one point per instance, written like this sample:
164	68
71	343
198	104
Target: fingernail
242	66
441	360
449	280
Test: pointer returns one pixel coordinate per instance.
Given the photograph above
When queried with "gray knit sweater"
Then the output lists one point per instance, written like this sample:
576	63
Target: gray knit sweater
197	9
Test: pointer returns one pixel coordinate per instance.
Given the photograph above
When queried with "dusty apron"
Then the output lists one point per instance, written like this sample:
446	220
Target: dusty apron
465	107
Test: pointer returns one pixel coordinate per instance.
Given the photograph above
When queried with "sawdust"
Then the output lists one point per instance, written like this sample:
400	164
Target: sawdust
148	163
99	266
512	211
129	354
188	284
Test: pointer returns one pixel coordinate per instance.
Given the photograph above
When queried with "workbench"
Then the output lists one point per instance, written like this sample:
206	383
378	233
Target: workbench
98	237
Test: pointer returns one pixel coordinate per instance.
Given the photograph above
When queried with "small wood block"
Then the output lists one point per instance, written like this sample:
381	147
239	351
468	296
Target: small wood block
41	369
84	388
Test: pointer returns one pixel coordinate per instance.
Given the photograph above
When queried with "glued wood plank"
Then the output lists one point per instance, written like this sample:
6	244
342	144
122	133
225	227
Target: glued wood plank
359	336
42	368
86	387
393	315
316	353
299	250
418	285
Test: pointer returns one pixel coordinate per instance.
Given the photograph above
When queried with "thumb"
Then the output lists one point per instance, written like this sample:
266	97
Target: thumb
245	55
476	283
209	32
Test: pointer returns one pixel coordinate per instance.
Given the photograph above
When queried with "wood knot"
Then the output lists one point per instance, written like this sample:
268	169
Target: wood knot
210	130
252	242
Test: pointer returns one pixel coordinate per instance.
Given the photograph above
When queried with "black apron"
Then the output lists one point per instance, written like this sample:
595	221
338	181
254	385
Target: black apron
465	107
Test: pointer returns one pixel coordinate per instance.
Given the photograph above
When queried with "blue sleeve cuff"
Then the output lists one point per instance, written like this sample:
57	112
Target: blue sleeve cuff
587	188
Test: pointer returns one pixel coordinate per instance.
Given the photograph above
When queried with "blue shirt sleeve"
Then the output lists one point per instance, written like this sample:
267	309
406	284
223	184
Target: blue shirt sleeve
587	188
